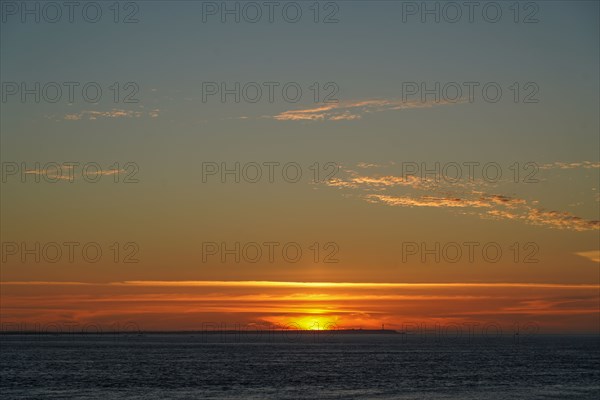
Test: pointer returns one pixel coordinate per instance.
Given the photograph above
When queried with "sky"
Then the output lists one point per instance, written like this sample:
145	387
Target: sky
372	167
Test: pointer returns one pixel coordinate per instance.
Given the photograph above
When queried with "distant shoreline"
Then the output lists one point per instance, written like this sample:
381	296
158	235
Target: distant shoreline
194	332
251	332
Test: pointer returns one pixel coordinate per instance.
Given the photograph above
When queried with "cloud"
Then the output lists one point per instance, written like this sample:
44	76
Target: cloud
315	285
506	201
468	196
349	111
522	211
426	201
368	165
67	173
380	181
377	181
572	165
551	219
114	113
593	255
561	220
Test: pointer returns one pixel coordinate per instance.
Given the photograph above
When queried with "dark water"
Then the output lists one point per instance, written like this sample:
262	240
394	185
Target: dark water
188	366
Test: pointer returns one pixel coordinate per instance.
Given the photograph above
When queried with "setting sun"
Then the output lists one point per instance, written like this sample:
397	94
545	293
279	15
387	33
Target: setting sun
311	322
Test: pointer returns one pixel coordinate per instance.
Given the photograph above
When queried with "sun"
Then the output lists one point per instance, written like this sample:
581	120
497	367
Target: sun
307	319
314	322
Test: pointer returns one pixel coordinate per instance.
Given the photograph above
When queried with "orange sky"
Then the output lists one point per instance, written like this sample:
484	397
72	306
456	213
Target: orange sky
191	305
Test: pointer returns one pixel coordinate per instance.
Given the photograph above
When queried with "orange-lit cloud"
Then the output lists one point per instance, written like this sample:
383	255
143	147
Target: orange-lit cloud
316	285
467	194
348	111
534	216
593	255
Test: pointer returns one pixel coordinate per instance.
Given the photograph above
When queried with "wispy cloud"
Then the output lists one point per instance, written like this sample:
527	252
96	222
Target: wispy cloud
316	285
375	181
593	255
561	220
470	196
367	165
114	113
348	111
571	165
522	211
67	173
426	201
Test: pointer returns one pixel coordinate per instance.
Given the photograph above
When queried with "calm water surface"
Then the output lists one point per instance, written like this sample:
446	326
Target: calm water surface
351	366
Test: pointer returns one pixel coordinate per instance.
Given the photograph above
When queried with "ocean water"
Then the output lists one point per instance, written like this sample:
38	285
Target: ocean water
349	366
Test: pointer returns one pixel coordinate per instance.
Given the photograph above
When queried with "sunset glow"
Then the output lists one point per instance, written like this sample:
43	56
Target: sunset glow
188	305
310	199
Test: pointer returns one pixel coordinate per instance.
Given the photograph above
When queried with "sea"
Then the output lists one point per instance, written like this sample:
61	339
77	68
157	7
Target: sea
307	366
